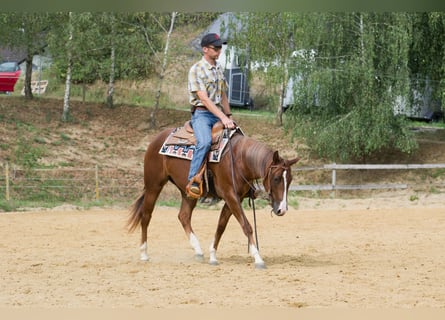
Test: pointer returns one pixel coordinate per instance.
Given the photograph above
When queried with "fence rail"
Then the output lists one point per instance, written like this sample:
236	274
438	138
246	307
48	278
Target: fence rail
98	183
69	183
334	167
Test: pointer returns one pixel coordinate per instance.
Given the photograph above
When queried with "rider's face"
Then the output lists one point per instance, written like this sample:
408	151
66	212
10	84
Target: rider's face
212	51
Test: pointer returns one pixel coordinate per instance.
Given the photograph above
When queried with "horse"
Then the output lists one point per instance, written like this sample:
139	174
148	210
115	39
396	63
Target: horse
242	163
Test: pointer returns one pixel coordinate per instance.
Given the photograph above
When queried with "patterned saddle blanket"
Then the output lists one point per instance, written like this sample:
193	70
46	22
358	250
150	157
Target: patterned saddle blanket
181	143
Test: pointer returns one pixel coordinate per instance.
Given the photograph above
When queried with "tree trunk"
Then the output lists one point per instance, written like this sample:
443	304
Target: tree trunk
111	83
66	98
112	69
280	106
84	92
162	74
28	77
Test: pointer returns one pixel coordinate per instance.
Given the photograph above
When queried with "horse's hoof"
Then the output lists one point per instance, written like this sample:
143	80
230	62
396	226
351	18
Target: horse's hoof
213	263
260	266
144	258
199	257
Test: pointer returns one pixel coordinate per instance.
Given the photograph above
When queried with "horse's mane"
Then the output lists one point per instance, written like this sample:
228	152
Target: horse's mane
255	154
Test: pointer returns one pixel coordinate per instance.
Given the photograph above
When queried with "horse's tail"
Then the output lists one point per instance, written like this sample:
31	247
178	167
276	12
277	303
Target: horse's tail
136	213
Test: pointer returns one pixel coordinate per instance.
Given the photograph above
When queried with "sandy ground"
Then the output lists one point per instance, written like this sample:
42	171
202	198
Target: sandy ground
385	252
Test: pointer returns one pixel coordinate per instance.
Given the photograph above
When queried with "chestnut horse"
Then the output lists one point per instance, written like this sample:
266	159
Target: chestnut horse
244	161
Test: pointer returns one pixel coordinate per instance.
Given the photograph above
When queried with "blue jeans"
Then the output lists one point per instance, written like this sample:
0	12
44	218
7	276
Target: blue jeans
202	123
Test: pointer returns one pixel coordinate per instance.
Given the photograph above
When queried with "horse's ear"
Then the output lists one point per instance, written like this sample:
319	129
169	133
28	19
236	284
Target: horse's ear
293	161
276	157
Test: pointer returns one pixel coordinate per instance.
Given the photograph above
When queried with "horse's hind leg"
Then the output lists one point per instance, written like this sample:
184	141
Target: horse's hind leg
148	207
185	217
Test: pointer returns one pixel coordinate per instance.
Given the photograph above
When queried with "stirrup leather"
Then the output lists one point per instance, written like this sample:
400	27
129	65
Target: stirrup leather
196	179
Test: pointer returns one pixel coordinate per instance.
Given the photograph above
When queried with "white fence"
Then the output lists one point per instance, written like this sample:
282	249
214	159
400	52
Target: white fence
334	167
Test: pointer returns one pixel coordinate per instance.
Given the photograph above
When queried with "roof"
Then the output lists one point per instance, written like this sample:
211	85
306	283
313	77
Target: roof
219	26
13	55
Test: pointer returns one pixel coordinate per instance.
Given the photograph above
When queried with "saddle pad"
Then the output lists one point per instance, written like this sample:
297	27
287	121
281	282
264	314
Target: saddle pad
185	151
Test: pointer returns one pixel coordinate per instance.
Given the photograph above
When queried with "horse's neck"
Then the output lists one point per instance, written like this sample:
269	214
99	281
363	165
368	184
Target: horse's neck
258	158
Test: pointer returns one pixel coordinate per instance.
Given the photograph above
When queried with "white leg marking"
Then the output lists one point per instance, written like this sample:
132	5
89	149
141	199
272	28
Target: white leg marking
283	204
256	255
213	260
194	242
143	250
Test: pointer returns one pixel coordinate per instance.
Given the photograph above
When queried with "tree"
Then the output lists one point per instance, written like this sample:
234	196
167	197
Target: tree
361	67
25	31
110	91
88	46
162	72
351	68
70	34
427	52
69	50
107	47
272	49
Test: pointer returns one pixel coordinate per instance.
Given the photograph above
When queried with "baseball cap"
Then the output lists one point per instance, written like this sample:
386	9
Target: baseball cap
212	39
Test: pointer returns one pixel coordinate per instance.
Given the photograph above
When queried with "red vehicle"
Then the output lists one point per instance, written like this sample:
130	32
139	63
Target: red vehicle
9	74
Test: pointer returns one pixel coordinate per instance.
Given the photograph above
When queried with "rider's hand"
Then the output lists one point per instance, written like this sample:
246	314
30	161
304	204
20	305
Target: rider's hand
228	123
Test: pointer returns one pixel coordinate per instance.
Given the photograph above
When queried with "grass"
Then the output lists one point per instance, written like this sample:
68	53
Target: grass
422	124
25	205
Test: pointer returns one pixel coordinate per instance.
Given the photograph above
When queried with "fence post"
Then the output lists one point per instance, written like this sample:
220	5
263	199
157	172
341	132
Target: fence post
97	182
7	181
334	180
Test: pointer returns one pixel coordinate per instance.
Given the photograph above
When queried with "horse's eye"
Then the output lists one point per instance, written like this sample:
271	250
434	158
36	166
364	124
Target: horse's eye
277	179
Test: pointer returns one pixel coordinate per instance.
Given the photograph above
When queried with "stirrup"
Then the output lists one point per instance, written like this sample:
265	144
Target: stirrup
198	180
193	194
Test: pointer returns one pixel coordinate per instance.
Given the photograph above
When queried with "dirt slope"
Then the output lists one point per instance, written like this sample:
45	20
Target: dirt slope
96	134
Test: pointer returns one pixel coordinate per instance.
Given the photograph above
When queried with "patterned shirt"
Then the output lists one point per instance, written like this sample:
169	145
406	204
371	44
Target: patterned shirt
205	77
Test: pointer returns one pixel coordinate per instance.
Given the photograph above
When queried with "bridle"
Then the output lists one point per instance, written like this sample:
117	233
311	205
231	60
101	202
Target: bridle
268	177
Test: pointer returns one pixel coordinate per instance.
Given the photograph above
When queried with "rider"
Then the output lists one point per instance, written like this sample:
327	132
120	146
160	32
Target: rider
207	94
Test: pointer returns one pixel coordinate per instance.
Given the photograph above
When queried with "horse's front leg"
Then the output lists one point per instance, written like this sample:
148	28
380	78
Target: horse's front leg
247	229
253	250
222	224
259	262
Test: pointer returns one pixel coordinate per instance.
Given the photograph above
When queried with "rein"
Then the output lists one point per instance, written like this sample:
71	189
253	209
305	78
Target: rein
251	195
252	200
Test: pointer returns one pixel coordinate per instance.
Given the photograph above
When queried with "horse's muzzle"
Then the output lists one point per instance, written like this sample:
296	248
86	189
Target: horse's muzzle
279	209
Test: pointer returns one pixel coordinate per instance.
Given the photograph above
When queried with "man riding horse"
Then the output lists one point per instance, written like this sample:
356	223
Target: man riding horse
207	93
233	174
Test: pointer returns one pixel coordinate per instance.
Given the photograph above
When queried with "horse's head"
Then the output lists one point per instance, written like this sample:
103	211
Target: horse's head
277	181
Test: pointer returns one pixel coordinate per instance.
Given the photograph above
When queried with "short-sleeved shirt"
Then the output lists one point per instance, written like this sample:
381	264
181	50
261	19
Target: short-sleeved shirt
205	77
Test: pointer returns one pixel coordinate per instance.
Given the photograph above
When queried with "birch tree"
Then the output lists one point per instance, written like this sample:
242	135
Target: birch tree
162	72
69	48
110	90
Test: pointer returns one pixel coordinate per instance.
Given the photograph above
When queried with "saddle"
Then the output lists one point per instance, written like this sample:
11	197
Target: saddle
185	135
181	144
